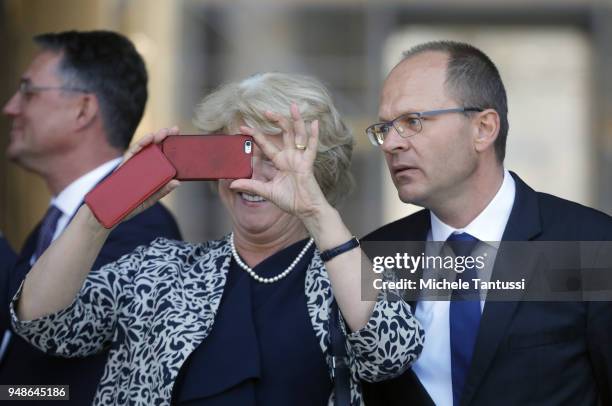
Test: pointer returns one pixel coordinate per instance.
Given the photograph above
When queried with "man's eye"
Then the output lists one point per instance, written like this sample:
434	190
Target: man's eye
411	122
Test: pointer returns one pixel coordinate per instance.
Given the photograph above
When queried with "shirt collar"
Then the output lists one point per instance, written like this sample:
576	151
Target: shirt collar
490	224
69	199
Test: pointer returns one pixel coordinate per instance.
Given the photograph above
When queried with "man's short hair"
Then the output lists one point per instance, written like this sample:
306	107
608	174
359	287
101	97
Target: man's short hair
473	80
106	64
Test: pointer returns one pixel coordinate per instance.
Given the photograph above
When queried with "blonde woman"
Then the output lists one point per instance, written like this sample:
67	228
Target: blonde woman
243	320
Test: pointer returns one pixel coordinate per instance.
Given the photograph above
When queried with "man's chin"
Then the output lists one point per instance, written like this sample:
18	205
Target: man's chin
19	160
12	155
412	197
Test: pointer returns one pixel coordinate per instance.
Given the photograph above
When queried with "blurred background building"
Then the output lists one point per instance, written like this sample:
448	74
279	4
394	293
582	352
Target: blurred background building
555	57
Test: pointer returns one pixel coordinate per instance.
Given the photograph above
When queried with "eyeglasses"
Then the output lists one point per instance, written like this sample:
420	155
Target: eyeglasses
26	88
408	124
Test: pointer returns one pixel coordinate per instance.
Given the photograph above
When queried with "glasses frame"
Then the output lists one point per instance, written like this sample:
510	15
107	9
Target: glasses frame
26	88
371	133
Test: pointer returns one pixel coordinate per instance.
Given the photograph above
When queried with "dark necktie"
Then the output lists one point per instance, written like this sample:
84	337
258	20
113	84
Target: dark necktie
464	316
47	229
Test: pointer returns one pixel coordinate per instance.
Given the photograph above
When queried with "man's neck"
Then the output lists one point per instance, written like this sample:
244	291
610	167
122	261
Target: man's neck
69	169
473	197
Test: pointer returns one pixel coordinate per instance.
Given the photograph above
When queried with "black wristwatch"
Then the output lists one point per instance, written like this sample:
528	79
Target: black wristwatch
340	249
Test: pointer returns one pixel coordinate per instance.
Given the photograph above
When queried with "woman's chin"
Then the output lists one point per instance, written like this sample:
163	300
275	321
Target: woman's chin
254	224
259	217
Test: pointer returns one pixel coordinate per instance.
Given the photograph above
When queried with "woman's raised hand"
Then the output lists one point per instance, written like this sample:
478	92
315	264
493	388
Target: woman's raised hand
293	187
152	138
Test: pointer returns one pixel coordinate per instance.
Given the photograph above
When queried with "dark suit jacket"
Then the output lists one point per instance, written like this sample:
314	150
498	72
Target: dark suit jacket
23	364
527	352
7	261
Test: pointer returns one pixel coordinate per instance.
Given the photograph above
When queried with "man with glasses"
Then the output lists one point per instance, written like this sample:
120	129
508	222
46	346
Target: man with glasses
73	116
443	129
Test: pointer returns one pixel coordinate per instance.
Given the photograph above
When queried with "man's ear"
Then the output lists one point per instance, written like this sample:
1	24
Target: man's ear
88	109
487	129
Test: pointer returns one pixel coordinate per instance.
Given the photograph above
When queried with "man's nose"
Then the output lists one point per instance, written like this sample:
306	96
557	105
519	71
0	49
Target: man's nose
13	106
394	143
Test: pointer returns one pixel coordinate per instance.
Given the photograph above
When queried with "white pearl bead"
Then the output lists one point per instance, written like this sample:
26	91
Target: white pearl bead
276	278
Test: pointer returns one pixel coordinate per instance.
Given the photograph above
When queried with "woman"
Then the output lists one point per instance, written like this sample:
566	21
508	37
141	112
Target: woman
244	319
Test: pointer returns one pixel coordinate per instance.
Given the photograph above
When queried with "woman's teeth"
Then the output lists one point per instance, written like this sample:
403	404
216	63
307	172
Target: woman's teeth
251	198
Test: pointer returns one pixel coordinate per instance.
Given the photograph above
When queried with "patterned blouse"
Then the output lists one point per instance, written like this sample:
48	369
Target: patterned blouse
154	306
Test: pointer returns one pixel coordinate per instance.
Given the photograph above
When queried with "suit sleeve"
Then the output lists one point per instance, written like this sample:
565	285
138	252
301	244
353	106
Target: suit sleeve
88	324
7	261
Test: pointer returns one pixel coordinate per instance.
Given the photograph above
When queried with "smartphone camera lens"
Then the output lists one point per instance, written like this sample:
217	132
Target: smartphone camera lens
248	147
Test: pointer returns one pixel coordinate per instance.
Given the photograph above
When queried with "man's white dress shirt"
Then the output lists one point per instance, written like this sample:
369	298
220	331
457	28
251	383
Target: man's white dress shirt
433	367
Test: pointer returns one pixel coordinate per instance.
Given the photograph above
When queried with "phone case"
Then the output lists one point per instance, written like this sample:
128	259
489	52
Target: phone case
130	185
210	157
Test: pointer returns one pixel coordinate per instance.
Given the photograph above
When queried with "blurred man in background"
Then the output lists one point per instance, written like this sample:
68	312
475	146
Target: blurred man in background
443	130
73	116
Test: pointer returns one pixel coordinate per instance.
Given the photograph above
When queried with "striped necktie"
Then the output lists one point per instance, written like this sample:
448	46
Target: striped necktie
47	230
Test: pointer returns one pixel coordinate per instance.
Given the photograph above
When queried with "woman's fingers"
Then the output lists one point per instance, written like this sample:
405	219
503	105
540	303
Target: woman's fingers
295	133
299	127
313	141
167	188
150	138
142	142
267	147
159	136
283	123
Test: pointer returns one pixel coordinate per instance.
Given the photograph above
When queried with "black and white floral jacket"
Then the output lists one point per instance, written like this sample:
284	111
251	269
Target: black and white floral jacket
155	305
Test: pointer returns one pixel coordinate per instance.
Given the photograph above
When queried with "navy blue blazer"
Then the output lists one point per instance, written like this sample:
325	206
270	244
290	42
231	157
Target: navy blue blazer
537	353
7	261
24	364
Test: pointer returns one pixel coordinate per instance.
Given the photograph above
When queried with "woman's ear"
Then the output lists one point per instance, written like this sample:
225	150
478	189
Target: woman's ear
487	129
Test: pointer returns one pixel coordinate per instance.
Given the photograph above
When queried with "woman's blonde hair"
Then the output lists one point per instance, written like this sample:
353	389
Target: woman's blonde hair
249	99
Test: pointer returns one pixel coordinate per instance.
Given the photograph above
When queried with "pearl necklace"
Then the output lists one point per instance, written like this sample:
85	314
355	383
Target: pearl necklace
261	278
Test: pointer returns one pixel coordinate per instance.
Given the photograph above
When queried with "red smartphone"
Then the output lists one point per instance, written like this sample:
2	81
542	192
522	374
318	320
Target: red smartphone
210	157
130	185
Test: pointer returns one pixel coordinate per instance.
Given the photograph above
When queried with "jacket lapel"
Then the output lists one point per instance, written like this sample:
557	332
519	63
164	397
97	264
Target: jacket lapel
202	291
411	232
523	225
417	235
207	286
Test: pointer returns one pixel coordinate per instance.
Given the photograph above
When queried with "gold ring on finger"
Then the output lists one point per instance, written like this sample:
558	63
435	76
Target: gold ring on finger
301	147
